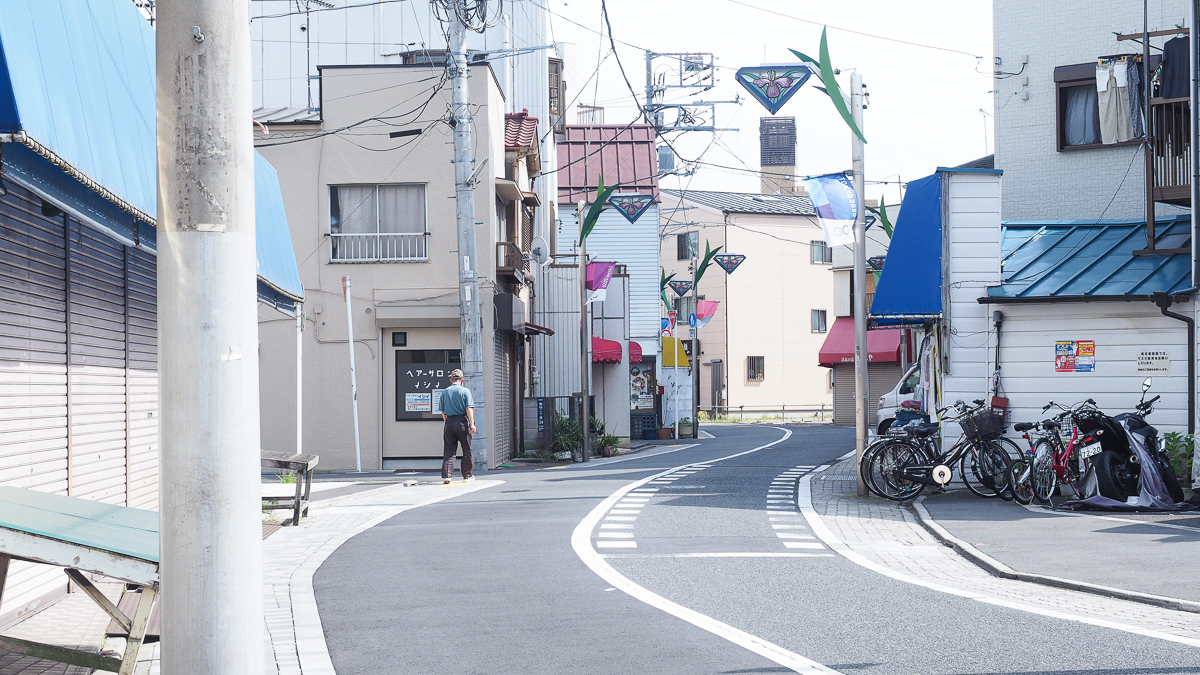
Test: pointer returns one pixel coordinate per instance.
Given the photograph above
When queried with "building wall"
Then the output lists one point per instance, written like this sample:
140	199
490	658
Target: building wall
306	169
1040	182
610	381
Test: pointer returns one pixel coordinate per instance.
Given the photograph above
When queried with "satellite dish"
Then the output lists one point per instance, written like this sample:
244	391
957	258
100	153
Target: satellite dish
540	250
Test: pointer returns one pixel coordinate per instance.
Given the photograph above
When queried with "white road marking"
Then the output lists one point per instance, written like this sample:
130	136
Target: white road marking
620	518
616	535
793	535
615	526
801	544
804	501
646	490
778	527
616	544
581	542
734	554
625	512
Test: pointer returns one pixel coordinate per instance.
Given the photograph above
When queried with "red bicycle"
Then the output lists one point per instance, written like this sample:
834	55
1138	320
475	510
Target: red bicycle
1049	461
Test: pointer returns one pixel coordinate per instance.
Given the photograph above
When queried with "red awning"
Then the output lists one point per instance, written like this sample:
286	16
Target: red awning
883	346
635	352
605	351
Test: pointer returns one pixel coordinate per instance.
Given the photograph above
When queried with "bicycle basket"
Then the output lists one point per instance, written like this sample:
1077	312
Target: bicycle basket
984	423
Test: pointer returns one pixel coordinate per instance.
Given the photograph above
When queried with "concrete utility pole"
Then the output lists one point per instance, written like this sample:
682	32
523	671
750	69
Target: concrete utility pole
210	510
585	336
353	375
862	379
694	334
470	316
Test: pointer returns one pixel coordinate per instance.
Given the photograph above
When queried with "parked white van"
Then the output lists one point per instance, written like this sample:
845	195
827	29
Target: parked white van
889	402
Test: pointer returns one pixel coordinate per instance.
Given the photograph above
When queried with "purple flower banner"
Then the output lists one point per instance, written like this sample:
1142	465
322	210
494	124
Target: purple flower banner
631	206
772	86
729	261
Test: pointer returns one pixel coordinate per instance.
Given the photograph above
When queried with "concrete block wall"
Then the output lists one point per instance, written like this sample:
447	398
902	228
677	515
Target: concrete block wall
1039	181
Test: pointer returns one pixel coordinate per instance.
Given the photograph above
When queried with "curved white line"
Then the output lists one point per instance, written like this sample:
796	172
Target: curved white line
804	502
581	541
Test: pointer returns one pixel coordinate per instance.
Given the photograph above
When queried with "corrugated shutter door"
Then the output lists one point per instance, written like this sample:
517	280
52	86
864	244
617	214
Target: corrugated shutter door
97	378
33	373
141	274
843	393
501	437
883	377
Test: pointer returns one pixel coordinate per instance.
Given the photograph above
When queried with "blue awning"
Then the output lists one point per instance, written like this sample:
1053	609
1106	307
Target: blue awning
910	286
1077	260
77	122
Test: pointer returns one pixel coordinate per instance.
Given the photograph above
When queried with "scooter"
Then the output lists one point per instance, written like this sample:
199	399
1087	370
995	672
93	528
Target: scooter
1117	465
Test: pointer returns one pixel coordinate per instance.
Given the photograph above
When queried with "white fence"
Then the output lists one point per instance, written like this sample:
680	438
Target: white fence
378	247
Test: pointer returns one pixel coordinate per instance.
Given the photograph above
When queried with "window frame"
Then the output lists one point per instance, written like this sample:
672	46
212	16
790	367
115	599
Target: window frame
681	248
753	374
824	316
424	194
826	252
1076	75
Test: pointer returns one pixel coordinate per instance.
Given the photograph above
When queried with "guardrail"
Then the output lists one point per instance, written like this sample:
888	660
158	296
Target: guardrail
785	413
378	247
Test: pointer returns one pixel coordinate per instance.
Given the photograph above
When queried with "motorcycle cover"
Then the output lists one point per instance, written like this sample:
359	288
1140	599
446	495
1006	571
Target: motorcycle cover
1152	492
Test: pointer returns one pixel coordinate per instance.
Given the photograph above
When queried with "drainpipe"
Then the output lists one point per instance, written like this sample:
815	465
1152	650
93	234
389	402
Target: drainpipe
1164	301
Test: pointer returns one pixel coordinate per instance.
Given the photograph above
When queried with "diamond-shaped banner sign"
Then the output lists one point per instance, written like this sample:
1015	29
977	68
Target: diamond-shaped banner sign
681	287
728	261
772	86
631	206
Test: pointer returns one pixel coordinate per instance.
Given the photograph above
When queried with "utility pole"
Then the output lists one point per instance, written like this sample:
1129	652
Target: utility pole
470	318
862	380
353	376
694	334
210	512
585	336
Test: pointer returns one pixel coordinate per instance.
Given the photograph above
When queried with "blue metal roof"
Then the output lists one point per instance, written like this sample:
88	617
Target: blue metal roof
1079	260
77	107
910	286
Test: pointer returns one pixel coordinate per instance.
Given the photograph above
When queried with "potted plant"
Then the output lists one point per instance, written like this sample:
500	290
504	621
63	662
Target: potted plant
665	433
685	427
607	444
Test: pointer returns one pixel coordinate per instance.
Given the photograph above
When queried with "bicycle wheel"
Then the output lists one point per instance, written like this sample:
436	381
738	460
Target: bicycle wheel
1021	480
970	468
998	465
1044	479
883	471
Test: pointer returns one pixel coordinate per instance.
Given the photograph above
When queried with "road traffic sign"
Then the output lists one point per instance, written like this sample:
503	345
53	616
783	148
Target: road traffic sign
692	319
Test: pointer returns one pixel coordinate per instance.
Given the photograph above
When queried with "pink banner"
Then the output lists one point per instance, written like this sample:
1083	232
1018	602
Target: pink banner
599	274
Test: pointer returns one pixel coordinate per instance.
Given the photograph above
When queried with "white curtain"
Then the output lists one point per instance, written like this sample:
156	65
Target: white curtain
402	208
353	209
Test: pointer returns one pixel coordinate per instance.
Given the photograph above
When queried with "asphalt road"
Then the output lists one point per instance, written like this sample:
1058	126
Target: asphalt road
489	583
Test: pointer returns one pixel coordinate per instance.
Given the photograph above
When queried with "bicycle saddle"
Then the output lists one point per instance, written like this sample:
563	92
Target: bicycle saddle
925	429
1023	426
1050	425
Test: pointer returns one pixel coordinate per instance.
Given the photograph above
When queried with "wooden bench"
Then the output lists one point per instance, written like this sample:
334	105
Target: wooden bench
83	536
302	466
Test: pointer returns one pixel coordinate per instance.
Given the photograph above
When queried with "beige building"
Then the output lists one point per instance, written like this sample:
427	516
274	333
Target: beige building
774	310
380	209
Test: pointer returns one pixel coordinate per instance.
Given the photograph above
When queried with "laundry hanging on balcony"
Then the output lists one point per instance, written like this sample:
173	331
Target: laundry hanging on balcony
1113	99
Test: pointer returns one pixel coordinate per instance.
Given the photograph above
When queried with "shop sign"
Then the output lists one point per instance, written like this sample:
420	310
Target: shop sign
419	389
1075	356
1154	361
641	386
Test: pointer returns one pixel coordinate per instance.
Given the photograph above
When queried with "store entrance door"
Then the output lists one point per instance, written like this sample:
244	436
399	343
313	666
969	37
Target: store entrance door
416	368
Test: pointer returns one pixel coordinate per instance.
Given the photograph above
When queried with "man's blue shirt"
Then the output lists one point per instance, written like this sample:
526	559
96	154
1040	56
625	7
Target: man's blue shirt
456	400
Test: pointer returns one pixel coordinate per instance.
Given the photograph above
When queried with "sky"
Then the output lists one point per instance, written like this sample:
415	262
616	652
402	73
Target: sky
930	103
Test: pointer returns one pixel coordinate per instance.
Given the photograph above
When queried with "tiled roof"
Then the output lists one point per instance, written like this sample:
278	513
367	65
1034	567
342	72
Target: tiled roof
1064	259
520	130
988	162
621	154
286	116
748	202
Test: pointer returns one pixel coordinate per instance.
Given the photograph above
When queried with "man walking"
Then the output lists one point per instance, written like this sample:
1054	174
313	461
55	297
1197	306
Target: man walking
459	415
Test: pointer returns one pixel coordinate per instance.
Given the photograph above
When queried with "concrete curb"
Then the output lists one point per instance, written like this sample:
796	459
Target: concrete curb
999	569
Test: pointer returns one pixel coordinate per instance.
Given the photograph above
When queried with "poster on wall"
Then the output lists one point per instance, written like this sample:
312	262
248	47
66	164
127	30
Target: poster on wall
1154	361
1075	356
419	389
641	386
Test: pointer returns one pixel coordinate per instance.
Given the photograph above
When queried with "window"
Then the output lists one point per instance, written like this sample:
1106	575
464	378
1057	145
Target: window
557	92
685	306
377	223
1078	110
822	254
754	368
687	245
818	321
399	339
911	382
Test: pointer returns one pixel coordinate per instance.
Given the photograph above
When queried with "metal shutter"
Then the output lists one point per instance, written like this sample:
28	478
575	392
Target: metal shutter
502	428
96	381
883	378
33	373
843	393
141	340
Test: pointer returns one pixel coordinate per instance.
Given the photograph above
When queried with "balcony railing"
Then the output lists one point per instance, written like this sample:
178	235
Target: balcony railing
378	247
510	259
1170	156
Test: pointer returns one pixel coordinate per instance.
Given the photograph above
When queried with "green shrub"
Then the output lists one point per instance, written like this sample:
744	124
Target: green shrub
1180	449
568	436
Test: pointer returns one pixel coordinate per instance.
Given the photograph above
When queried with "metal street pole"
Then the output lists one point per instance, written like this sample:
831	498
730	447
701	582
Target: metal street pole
585	337
694	334
210	541
299	378
470	316
862	379
353	375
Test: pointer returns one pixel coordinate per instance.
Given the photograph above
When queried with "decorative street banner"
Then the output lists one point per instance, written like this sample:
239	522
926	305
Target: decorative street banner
836	204
772	86
681	287
631	206
598	276
728	261
1075	356
705	310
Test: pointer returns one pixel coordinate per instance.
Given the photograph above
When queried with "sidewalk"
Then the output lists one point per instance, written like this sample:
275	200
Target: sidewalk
1156	557
889	539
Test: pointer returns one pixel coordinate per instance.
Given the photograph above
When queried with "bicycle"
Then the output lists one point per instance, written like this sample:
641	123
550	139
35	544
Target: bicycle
1051	462
901	466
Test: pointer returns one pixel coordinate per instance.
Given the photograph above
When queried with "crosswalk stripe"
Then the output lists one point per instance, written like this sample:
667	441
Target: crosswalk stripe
616	535
801	544
616	544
